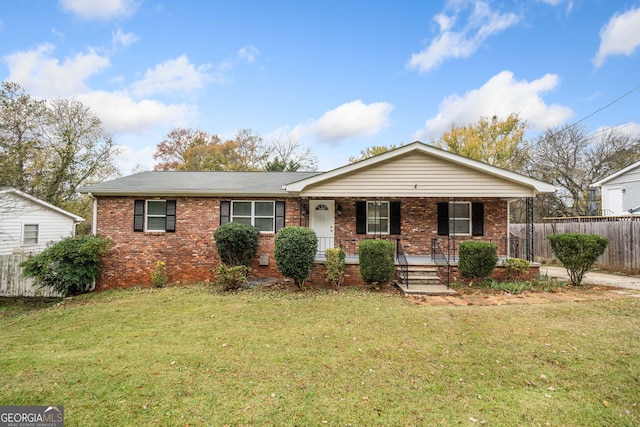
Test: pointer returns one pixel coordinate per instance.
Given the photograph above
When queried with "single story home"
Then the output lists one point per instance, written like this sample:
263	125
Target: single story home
424	199
620	192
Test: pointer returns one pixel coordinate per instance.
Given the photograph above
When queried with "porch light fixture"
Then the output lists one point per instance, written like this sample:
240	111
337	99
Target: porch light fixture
339	209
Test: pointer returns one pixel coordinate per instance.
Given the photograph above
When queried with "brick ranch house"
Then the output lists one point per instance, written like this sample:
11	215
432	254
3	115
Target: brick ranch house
424	199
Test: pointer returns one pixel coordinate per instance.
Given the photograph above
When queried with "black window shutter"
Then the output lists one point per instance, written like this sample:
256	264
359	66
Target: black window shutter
280	214
477	219
394	217
361	217
138	215
225	212
443	219
171	215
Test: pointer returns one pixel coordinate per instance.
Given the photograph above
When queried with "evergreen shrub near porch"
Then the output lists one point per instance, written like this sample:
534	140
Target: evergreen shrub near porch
377	262
477	259
295	251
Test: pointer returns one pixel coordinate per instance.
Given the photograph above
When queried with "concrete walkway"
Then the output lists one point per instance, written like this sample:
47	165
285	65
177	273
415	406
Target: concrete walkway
593	278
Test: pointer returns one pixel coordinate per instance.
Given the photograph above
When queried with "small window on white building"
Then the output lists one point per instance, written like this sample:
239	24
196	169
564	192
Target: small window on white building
30	234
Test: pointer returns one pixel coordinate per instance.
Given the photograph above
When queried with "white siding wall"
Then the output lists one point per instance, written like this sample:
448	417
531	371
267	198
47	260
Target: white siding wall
418	175
630	182
16	211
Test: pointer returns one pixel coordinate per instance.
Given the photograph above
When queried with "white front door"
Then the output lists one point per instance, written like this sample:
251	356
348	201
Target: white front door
321	220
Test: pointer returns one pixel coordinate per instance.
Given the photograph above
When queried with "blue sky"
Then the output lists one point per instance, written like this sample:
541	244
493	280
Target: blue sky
338	75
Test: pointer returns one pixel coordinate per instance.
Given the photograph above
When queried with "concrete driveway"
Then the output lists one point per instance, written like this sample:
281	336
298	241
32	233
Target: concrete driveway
593	278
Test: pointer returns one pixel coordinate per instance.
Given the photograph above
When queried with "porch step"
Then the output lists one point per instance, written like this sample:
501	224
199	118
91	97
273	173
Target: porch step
423	280
427	276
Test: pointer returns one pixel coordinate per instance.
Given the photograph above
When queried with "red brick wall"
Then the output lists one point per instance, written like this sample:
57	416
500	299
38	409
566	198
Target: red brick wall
190	253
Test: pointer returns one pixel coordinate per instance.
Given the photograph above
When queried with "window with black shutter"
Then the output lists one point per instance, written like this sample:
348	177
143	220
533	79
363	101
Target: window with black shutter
154	215
460	218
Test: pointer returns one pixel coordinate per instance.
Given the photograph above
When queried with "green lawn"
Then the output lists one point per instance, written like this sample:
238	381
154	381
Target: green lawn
188	356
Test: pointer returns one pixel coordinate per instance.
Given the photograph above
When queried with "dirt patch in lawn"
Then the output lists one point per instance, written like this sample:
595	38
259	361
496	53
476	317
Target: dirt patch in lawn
483	296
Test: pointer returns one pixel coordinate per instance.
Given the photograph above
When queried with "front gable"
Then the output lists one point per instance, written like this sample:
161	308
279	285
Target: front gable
416	174
419	170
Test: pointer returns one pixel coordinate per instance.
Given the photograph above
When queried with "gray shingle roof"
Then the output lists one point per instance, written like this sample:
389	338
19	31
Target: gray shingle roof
199	183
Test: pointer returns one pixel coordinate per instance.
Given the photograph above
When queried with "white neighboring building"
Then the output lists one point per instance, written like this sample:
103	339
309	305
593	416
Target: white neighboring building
621	191
29	225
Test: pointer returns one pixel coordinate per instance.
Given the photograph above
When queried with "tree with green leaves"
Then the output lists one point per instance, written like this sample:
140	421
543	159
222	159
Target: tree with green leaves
498	142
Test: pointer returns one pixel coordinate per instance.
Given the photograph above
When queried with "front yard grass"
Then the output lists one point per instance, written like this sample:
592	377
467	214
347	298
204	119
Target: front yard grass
186	356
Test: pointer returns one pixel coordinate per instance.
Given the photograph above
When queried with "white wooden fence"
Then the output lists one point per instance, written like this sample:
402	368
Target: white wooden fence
14	284
622	253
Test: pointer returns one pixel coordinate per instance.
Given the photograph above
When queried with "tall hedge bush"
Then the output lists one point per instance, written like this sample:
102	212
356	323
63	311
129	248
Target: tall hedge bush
295	251
335	264
377	261
237	243
477	259
70	266
577	252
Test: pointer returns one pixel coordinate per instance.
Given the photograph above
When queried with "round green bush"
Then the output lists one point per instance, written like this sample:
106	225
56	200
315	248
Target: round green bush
295	251
477	259
377	261
237	243
577	252
70	266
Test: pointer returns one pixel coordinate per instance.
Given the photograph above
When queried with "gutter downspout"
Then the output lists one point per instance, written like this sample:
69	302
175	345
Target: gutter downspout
94	215
94	228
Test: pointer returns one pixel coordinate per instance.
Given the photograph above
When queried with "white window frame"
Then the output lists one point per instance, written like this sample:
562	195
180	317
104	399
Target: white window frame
252	216
147	215
24	232
453	219
379	218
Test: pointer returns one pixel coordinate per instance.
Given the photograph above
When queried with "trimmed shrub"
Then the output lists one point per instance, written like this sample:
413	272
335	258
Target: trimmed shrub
237	243
295	251
231	278
515	268
335	266
159	274
70	266
577	252
477	259
377	261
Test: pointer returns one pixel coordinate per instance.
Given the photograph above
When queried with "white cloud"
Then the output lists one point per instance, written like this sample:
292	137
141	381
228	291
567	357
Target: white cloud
620	36
248	53
118	38
100	9
42	75
130	160
120	113
501	95
353	119
174	75
482	23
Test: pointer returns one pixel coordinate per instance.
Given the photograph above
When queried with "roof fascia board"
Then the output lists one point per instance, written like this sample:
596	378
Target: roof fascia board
615	175
43	203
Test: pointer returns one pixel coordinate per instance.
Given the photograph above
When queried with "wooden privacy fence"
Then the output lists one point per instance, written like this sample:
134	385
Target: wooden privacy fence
14	284
622	253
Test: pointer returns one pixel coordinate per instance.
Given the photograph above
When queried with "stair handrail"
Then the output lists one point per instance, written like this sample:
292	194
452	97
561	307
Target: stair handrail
438	254
402	262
